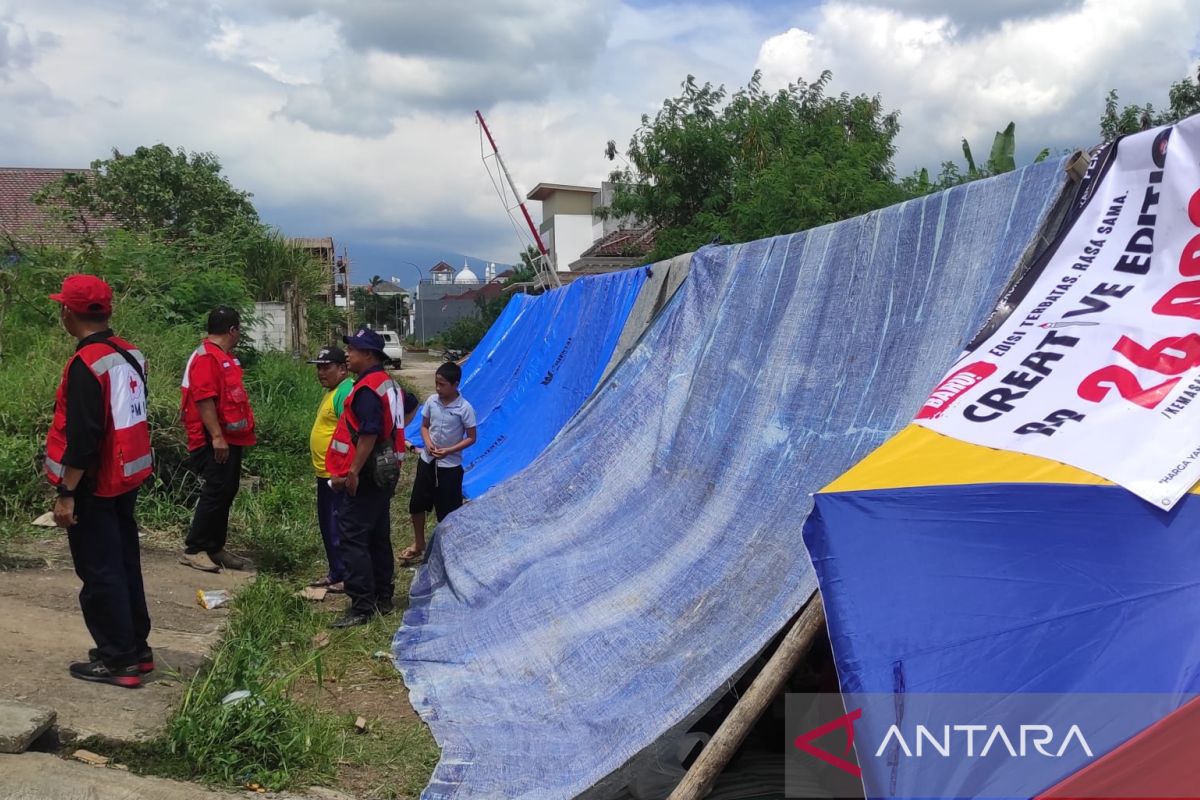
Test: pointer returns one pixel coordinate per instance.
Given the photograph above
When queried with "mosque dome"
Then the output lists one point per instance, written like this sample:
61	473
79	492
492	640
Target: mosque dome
466	276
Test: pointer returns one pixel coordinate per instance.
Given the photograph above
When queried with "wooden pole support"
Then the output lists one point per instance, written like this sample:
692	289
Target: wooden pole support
765	687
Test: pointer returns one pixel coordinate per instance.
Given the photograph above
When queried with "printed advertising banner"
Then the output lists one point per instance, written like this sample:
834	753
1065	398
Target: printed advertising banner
1098	366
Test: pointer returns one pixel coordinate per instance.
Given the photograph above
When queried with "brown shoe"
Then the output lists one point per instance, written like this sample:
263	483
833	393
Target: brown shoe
226	559
199	561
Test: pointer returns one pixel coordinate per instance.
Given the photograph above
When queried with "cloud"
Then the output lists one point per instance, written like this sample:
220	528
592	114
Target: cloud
16	48
19	48
465	30
396	58
1049	74
19	87
364	94
355	119
287	51
978	15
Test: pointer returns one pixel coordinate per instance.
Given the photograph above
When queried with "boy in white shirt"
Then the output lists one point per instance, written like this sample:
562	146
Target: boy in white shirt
447	428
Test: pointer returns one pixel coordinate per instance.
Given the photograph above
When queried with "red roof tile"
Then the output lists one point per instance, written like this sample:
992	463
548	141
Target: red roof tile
625	243
488	290
28	222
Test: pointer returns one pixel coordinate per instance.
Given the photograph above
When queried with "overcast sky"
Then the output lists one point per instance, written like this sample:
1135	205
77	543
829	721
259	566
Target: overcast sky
354	118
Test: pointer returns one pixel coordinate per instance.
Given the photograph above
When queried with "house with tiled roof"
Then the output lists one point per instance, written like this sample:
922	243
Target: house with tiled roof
620	249
442	272
580	235
24	223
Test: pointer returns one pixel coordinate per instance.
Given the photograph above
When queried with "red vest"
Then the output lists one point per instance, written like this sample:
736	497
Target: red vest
125	460
340	456
233	404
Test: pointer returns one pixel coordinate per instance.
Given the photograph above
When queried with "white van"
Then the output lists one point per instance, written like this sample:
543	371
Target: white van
392	348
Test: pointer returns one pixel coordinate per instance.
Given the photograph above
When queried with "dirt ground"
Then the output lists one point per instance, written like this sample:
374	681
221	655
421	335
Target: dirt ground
418	371
42	631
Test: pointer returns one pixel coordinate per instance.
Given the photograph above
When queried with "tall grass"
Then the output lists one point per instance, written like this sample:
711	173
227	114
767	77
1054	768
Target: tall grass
162	294
266	738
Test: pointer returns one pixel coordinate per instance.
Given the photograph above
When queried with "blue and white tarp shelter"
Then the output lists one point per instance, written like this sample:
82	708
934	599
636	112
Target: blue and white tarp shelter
580	609
538	363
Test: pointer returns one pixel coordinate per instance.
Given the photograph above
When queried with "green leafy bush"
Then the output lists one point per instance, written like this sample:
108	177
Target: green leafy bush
163	291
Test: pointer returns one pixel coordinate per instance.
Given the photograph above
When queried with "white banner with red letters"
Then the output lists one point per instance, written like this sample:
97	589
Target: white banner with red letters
1098	366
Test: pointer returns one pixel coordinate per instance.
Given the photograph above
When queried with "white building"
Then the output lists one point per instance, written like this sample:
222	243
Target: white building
570	225
441	272
567	220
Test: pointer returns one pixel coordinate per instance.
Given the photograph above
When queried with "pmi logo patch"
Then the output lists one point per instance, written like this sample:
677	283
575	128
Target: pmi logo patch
953	387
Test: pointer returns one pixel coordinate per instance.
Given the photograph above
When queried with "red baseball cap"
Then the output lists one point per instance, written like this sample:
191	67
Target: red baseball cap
85	294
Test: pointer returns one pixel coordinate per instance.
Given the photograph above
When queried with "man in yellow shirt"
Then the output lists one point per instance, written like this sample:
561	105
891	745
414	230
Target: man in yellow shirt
334	375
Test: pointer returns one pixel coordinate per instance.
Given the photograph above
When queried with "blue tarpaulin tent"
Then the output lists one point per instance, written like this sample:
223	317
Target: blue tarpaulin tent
536	366
579	610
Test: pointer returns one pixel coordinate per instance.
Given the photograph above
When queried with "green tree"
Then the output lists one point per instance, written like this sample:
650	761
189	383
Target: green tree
1117	121
526	271
1001	159
755	164
176	193
465	333
1183	100
378	309
270	262
183	198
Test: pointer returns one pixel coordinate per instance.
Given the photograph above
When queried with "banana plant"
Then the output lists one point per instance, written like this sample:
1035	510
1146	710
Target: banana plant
1003	155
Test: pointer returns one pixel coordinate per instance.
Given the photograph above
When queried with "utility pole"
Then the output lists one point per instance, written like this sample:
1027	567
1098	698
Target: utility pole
344	271
417	298
551	269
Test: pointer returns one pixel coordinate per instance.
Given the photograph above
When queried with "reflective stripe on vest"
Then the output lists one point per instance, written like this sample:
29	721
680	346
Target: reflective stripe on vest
139	464
127	431
340	454
107	363
187	369
225	405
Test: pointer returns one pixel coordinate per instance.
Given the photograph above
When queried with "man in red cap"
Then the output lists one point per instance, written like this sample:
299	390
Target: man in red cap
97	455
220	425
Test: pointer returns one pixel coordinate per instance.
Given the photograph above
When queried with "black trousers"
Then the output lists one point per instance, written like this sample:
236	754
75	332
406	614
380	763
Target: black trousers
104	547
210	522
329	507
366	548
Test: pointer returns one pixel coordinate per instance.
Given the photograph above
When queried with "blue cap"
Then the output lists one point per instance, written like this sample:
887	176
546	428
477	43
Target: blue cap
365	339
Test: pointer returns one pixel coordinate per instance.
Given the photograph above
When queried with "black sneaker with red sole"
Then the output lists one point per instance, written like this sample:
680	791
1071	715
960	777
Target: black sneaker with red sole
127	677
145	659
